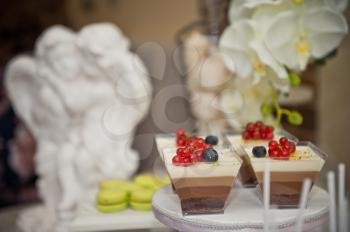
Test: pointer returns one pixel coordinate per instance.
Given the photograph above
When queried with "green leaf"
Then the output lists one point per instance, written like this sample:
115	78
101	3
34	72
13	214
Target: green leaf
295	118
294	79
265	109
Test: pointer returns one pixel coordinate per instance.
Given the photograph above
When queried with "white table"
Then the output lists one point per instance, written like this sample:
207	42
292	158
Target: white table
243	213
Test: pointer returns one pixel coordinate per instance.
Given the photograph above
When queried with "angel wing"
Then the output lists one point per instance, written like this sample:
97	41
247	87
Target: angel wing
23	87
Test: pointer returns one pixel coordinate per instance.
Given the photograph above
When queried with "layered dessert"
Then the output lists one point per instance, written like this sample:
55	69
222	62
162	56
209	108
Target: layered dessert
202	180
290	165
255	133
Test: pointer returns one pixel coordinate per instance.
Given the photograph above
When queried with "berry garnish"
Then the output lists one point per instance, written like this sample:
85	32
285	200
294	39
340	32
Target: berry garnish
283	140
177	160
259	151
211	139
281	149
273	144
210	155
180	142
191	148
258	130
180	133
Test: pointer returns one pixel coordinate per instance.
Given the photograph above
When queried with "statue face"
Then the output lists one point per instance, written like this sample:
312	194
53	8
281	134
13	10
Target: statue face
65	61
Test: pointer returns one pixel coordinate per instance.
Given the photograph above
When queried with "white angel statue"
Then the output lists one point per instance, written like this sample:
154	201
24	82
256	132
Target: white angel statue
82	96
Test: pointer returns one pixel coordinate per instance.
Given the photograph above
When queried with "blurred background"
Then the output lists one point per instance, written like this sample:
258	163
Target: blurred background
153	27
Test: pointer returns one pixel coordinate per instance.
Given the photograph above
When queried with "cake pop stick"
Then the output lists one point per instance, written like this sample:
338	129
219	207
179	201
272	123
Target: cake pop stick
266	195
332	206
302	205
341	197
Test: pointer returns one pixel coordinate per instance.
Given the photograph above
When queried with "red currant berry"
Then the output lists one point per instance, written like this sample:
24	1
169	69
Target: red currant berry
258	124
286	146
273	153
250	127
280	152
256	135
186	152
187	160
180	151
269	136
263	135
193	157
273	145
292	147
283	141
269	129
285	152
246	135
176	160
181	142
199	143
180	133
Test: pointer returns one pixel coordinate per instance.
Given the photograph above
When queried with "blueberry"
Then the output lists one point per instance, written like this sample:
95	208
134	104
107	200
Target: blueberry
259	151
211	139
210	155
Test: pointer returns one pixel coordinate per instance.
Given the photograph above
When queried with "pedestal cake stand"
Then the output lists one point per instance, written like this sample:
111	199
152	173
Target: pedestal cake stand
244	212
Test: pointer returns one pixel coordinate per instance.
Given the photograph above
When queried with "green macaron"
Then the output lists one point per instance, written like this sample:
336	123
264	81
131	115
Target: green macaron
111	200
141	199
111	208
148	181
113	184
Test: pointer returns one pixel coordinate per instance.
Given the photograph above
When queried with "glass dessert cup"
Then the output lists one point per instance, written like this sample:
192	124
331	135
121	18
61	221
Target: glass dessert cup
287	175
203	187
247	175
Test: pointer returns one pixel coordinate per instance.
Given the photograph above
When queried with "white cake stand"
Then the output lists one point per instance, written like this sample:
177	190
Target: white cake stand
243	213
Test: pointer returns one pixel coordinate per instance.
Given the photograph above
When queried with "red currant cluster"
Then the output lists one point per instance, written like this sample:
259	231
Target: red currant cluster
190	149
258	130
281	149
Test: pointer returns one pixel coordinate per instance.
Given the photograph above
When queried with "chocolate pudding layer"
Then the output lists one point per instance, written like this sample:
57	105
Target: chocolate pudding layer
286	187
246	173
200	195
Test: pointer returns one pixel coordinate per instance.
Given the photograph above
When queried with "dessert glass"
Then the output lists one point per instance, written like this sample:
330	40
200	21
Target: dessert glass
287	176
203	187
246	174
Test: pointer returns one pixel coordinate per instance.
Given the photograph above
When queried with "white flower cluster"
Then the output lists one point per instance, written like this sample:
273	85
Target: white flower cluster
266	38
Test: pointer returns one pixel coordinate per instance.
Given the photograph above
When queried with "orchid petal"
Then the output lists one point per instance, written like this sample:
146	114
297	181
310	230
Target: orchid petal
237	35
237	61
266	58
325	20
279	38
327	37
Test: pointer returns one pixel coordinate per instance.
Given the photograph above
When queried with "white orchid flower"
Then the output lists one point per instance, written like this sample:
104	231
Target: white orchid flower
304	31
245	54
241	103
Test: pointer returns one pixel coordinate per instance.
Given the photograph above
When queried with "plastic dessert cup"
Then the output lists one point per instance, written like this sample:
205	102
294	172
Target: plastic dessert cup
246	174
165	141
287	176
203	187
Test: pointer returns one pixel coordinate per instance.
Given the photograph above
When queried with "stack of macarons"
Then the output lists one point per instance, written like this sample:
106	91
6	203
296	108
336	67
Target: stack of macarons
117	194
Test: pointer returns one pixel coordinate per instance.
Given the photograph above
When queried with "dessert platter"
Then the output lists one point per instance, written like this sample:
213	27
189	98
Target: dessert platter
219	185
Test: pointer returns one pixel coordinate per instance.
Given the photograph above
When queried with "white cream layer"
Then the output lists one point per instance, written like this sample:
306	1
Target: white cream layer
227	165
237	140
312	163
